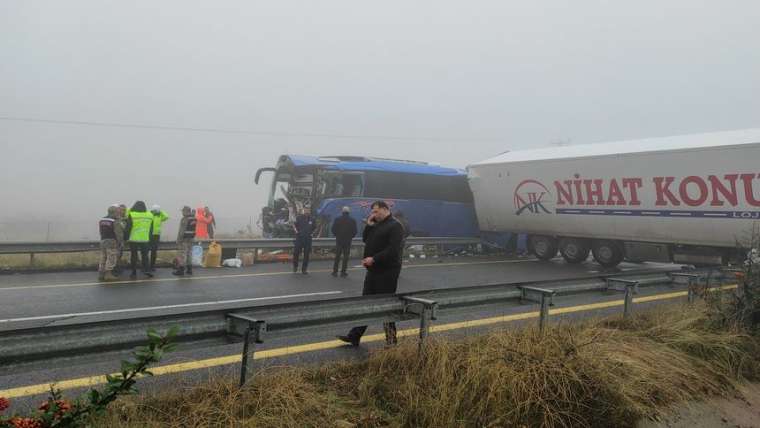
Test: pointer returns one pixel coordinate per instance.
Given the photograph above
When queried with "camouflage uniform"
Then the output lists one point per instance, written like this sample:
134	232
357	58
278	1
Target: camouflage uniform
122	220
185	254
185	239
109	251
111	238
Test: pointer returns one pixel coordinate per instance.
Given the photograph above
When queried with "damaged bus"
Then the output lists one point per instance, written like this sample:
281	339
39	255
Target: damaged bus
434	200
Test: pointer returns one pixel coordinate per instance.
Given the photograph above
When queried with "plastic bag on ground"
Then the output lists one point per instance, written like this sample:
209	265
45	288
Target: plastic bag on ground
235	263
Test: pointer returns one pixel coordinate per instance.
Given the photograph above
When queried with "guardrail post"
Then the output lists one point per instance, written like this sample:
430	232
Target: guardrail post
543	297
735	273
31	259
427	312
253	328
631	288
544	318
690	294
692	281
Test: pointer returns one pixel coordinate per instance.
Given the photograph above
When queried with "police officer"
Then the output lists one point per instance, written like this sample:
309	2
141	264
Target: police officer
344	229
139	229
159	217
185	239
303	228
111	237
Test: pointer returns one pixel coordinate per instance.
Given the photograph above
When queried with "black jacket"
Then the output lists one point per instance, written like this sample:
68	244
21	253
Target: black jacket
405	224
344	229
304	226
383	242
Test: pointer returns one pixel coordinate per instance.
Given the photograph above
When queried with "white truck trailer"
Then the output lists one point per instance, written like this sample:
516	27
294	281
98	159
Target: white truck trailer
690	199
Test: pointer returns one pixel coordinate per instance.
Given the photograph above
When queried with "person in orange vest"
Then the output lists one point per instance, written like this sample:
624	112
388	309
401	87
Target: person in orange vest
212	225
203	220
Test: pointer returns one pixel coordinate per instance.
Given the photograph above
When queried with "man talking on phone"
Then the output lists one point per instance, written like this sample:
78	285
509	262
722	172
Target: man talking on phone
383	236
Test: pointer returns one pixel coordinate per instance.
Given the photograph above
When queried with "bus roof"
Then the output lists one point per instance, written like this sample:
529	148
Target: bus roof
358	163
649	145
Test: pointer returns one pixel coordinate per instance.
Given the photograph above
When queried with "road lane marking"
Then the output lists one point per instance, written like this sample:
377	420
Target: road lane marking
181	305
244	275
90	381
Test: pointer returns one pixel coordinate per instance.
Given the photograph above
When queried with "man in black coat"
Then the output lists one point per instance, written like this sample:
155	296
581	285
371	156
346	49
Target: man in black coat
344	229
383	236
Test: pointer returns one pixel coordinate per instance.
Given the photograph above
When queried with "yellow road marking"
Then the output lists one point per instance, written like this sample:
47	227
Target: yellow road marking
244	275
332	344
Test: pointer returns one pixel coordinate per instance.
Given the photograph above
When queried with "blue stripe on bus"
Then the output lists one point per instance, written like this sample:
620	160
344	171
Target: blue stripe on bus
663	213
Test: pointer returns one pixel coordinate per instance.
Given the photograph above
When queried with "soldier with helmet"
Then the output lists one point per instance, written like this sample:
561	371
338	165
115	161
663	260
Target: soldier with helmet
185	238
111	237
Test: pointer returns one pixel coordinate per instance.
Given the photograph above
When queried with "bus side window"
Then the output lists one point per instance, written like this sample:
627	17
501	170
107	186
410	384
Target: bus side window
352	185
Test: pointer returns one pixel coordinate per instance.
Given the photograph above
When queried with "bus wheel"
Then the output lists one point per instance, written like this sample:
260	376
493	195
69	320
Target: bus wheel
574	250
544	247
607	253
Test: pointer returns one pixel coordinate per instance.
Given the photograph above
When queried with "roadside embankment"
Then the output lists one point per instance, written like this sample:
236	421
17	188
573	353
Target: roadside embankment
605	372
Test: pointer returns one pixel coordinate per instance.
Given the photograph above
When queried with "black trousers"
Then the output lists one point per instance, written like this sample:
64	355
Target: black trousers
384	281
302	245
143	248
341	251
154	240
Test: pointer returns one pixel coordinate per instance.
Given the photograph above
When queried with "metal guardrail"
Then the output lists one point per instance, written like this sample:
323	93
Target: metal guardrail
70	336
275	243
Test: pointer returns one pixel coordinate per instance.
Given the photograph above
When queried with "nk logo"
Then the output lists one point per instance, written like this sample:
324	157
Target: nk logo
532	197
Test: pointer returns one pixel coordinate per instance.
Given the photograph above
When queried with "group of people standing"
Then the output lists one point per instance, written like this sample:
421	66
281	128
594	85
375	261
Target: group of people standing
140	230
384	237
344	229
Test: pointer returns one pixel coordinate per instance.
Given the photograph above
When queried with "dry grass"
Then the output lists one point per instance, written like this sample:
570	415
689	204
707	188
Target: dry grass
600	373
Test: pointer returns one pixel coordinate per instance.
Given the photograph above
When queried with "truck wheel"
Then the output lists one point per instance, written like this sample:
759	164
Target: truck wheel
574	250
608	253
544	247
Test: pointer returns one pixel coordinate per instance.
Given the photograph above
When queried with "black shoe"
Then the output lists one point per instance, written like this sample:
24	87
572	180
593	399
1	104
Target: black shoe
133	275
148	274
334	274
343	274
180	271
354	341
304	273
189	271
295	269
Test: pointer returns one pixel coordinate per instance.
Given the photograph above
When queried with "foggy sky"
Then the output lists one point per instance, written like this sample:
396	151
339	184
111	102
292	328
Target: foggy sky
492	75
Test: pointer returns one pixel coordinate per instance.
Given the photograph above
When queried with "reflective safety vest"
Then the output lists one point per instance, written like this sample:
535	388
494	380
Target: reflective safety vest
158	220
107	230
141	222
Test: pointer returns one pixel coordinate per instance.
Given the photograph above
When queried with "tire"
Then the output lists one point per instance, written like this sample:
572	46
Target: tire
574	250
543	247
608	253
